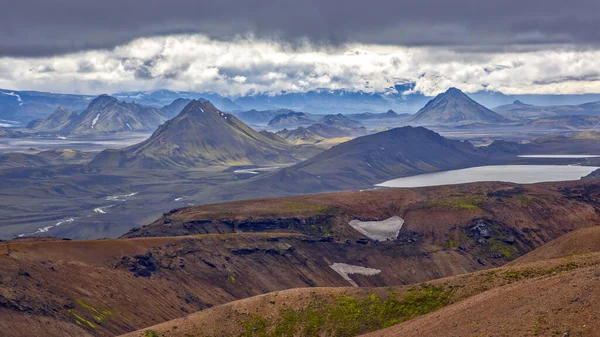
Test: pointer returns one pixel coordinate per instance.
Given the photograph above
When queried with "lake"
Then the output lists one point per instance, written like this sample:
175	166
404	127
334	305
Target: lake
560	156
521	174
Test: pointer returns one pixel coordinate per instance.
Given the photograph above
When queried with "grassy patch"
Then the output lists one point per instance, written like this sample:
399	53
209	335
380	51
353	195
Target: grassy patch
304	207
349	315
508	251
88	316
151	333
467	203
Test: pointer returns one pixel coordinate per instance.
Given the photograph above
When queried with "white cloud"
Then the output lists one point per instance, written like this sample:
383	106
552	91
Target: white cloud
245	65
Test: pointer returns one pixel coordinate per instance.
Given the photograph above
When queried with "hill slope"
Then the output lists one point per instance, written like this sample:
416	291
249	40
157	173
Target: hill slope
62	119
569	122
107	114
200	136
364	161
452	107
108	287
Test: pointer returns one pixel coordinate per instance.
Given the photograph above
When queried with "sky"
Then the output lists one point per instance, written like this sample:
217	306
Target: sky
241	47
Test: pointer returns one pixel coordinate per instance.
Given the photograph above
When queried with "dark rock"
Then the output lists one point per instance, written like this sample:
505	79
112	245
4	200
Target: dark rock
363	241
480	261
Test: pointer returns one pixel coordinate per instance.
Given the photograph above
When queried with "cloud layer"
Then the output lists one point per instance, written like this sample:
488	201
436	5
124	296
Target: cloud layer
42	27
248	65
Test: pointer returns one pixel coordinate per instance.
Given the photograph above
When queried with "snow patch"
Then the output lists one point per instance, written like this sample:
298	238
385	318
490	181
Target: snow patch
379	230
178	199
14	95
346	269
101	210
120	197
47	228
95	120
129	126
246	171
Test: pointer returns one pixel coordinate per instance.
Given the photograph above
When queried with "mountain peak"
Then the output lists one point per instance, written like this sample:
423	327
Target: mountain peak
517	102
454	91
454	106
103	99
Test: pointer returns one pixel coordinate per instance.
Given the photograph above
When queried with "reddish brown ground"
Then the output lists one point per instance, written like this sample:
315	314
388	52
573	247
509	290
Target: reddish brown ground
56	287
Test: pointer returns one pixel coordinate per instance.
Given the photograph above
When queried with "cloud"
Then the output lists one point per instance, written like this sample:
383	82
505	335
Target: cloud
251	65
42	28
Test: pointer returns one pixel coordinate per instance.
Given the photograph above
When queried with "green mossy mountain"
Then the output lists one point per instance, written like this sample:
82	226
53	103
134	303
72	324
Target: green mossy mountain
200	136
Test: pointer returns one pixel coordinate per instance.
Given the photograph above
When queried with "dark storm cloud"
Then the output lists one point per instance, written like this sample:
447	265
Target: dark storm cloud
42	27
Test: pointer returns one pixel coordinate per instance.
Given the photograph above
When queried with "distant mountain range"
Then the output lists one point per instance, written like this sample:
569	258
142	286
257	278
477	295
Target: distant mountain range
25	106
522	110
104	114
201	135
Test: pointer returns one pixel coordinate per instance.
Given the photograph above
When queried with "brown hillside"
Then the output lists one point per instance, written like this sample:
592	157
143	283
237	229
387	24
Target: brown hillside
110	287
518	293
581	241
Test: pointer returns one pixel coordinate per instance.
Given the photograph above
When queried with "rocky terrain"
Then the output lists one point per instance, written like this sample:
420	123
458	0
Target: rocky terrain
201	257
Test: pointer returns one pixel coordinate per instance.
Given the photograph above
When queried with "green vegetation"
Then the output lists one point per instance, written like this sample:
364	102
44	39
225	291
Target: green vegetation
231	279
525	201
349	315
513	275
304	207
467	203
86	310
508	251
451	243
151	333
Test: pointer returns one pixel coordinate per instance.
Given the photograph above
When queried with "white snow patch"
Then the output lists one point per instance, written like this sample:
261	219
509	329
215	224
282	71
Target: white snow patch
178	199
61	137
14	95
129	126
95	120
379	230
120	197
101	210
246	171
201	109
346	269
47	228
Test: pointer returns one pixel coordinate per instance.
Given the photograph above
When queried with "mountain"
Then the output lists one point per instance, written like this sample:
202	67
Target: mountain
174	108
106	114
9	133
199	136
340	121
25	106
16	159
390	114
453	107
520	109
291	119
61	120
300	135
367	160
260	117
569	122
161	97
